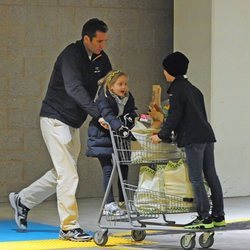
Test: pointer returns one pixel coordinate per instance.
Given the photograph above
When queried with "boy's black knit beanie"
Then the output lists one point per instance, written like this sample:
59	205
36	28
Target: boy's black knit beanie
176	64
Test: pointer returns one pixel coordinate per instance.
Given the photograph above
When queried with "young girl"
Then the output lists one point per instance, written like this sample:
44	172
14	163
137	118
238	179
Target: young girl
117	107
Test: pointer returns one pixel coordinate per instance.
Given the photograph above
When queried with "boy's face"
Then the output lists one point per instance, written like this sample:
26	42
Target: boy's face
168	77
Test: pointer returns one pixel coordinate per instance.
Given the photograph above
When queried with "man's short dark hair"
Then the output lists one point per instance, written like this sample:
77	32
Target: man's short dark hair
93	25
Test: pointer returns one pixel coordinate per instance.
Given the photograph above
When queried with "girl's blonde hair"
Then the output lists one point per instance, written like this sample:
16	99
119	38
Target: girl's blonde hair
109	80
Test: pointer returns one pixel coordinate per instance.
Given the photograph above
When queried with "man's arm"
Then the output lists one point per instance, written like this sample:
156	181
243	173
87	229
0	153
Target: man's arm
73	82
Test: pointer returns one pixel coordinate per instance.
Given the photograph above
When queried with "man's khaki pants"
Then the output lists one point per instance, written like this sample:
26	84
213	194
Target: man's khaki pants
63	143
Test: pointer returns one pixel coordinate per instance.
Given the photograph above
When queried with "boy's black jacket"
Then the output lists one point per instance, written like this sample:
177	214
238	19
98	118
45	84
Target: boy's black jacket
187	115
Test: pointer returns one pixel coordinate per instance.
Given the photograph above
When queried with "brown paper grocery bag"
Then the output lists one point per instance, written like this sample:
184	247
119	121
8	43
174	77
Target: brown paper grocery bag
156	95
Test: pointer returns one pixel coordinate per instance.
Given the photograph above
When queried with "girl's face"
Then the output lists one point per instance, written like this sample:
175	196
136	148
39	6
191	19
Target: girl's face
120	87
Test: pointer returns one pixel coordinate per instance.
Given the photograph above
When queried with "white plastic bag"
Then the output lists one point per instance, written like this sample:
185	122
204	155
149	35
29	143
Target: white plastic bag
144	151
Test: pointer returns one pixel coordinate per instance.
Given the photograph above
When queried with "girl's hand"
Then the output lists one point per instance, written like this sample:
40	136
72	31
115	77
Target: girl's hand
155	139
103	123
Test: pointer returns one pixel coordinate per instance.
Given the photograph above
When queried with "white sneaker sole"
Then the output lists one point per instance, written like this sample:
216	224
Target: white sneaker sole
107	213
13	205
75	240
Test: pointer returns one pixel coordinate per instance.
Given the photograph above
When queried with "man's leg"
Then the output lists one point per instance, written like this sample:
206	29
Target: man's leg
39	190
31	196
63	144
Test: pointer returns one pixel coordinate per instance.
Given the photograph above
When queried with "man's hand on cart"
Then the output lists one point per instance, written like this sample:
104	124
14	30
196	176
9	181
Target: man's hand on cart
103	123
155	139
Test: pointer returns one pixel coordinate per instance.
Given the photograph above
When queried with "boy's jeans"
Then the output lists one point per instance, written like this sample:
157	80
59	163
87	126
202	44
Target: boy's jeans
200	159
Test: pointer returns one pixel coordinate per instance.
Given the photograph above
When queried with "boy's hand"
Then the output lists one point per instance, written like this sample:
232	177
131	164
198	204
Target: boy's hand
155	139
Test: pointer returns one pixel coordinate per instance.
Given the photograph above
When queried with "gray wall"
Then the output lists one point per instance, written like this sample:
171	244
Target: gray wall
32	33
216	36
192	35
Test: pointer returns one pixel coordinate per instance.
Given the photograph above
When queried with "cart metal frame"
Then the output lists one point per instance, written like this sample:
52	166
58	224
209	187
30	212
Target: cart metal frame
139	219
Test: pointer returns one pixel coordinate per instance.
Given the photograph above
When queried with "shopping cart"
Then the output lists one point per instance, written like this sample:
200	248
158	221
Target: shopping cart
146	209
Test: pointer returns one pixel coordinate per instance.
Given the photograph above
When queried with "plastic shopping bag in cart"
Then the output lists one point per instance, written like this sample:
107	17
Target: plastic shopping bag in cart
144	151
165	190
148	179
176	182
146	198
150	198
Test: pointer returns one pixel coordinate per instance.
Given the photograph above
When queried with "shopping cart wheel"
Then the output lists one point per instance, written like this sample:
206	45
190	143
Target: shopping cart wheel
101	237
188	241
206	239
138	235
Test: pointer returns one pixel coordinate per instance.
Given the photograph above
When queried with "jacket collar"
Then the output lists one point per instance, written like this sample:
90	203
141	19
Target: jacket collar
177	78
85	53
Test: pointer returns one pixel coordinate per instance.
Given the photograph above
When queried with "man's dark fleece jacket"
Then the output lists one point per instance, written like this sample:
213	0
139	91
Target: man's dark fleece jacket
73	85
187	115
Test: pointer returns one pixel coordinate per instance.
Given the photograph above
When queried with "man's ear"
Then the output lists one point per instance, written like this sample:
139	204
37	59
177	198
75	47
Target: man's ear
86	39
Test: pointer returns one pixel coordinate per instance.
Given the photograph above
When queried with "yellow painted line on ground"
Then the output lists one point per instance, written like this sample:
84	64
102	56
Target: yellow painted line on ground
114	240
238	220
63	244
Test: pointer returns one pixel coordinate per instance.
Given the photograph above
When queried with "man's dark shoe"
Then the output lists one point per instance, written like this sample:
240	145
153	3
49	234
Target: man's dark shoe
219	221
200	223
76	234
21	211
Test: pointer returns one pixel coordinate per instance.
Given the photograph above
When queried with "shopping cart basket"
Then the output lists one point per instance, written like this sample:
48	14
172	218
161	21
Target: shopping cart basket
143	206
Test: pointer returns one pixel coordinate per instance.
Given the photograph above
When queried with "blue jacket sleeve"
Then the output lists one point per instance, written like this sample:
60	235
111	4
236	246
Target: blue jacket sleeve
108	114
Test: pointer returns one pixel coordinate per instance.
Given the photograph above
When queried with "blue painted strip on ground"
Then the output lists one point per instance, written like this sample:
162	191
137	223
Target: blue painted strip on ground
36	231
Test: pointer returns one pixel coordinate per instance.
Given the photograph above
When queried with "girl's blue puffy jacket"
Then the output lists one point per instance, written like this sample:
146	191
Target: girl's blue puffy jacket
99	141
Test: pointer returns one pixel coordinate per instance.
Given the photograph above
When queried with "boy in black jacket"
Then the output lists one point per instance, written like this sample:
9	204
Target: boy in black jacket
187	118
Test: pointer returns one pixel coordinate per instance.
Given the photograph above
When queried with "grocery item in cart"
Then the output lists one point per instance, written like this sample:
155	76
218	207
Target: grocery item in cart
148	180
144	151
176	180
166	189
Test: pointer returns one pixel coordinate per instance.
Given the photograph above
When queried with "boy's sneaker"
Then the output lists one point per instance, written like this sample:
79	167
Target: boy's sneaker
219	221
76	234
113	209
21	211
206	223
